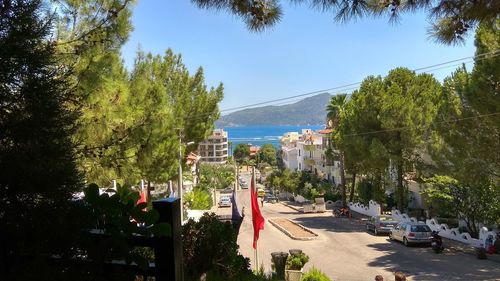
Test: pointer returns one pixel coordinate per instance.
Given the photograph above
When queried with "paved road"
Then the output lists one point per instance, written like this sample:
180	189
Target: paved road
344	251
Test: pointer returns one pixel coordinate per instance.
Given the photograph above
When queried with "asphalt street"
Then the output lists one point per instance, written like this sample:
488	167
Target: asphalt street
345	251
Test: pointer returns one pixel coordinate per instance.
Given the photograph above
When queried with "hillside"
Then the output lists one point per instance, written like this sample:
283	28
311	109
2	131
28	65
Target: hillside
309	111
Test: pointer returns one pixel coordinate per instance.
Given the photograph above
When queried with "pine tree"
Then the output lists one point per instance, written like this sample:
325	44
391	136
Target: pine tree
36	153
38	174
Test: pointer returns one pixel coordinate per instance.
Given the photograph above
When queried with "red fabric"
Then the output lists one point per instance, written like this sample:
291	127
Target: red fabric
143	199
257	218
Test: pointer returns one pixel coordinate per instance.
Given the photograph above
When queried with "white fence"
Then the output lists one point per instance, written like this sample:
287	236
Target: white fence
454	233
373	208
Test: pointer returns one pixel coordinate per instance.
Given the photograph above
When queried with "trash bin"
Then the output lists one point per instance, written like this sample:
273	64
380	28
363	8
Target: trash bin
279	261
481	253
295	251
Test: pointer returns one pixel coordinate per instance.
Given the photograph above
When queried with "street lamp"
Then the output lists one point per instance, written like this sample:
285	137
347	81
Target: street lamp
180	177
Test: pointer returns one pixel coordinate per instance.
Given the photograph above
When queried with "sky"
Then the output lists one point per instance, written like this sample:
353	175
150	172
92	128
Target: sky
306	51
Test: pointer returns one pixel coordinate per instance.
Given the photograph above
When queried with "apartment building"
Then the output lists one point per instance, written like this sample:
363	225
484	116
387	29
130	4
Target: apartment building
215	148
306	151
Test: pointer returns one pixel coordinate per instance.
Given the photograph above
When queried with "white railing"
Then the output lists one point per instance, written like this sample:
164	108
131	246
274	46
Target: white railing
454	233
373	208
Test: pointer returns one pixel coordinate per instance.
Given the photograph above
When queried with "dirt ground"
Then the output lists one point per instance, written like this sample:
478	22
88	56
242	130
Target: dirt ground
293	228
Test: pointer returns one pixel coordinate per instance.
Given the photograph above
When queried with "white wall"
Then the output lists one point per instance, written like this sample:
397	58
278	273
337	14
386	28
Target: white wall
373	208
450	233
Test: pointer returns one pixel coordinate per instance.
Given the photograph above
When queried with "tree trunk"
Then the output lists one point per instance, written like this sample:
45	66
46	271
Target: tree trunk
342	179
400	188
148	192
351	193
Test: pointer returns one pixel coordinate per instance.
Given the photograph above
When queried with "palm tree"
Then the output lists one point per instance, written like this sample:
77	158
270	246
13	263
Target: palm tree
335	110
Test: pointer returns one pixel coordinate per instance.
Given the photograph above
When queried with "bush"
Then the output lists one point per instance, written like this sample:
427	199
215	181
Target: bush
210	247
296	261
198	199
315	275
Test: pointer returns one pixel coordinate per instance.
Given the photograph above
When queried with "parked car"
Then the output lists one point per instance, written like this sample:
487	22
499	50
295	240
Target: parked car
243	185
381	224
270	198
411	232
225	201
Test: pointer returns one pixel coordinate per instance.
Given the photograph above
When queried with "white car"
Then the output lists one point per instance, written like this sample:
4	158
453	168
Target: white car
225	201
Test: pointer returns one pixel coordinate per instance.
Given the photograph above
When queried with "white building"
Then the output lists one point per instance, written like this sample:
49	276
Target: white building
306	151
289	151
215	148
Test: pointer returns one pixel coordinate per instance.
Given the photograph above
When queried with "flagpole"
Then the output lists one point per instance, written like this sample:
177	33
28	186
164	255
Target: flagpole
257	242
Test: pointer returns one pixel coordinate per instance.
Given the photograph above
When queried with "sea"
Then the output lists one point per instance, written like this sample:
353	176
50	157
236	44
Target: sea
260	135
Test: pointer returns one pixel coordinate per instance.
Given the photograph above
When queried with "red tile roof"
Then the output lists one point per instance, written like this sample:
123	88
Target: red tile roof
326	131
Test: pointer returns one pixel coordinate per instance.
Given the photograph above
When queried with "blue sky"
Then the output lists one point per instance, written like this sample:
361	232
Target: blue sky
305	52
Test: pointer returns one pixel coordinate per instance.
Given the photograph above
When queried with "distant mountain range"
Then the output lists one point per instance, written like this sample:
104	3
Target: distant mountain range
309	111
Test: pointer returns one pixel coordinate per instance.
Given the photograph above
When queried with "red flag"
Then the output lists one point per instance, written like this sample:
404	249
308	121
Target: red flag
257	219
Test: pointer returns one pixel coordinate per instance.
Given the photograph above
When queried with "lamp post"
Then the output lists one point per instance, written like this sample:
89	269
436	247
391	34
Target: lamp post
180	177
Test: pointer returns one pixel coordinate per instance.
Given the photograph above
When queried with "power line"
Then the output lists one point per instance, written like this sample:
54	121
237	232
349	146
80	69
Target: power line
476	58
348	87
439	122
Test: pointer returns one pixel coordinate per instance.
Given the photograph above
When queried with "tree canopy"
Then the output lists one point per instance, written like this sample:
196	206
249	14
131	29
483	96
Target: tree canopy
451	20
241	153
268	154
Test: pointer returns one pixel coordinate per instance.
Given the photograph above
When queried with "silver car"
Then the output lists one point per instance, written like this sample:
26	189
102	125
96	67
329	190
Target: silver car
381	224
411	233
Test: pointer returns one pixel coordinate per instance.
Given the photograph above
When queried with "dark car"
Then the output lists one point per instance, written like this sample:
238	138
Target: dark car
381	224
270	198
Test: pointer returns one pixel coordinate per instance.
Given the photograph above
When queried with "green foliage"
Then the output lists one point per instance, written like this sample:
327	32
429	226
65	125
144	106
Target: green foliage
210	247
217	176
384	106
37	161
463	145
371	188
198	199
473	203
438	197
336	111
285	180
268	154
118	216
241	153
38	174
451	21
296	261
315	274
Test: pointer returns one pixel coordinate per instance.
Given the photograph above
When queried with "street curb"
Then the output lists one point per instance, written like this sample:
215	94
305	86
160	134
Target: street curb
291	207
282	229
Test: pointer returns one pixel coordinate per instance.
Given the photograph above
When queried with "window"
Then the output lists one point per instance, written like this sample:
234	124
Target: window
420	228
299	152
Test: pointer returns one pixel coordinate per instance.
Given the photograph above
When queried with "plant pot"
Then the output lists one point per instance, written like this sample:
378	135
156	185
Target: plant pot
279	261
293	275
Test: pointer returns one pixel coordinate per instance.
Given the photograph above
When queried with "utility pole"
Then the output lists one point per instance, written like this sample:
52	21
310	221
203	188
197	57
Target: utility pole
180	184
179	192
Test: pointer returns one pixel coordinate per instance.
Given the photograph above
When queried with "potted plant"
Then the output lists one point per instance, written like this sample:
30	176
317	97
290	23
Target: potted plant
294	265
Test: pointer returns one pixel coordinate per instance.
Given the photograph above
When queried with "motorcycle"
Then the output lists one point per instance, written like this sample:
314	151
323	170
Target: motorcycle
437	243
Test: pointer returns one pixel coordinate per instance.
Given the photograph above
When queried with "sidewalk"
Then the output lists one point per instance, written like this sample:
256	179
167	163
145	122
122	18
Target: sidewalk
293	205
466	249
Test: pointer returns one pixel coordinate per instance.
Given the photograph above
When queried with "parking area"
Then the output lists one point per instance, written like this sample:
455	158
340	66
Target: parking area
346	251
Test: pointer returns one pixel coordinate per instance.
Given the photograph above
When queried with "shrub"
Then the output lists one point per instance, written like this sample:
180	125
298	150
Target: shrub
315	274
210	247
198	199
296	261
